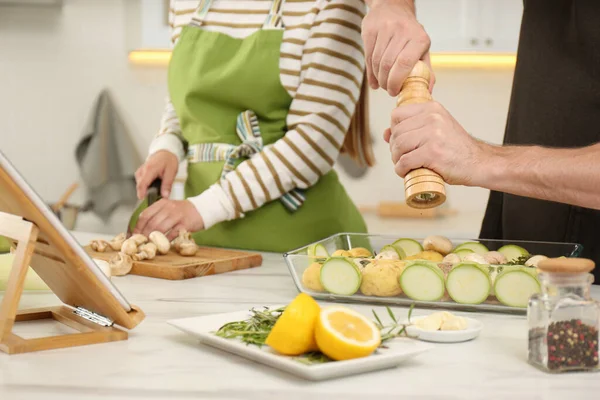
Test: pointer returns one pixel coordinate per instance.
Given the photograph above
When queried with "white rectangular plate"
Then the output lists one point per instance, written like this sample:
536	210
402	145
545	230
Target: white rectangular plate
397	350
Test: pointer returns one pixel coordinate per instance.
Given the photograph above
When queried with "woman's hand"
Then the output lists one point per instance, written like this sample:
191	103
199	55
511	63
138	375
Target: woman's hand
169	217
162	164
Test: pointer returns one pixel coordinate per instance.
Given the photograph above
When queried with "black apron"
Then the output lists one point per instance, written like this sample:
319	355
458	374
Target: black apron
555	102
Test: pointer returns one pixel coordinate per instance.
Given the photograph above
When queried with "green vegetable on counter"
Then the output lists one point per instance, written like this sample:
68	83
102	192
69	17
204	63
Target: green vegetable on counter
340	276
422	281
475	247
317	251
410	247
513	252
469	283
515	285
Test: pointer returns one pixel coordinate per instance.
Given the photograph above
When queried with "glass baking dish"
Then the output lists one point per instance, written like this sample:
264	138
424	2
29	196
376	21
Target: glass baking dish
299	260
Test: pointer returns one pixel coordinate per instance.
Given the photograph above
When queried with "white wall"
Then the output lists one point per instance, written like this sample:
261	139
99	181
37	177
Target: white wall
54	62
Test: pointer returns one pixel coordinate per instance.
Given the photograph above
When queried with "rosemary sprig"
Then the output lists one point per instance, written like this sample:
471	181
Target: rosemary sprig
394	330
253	330
519	261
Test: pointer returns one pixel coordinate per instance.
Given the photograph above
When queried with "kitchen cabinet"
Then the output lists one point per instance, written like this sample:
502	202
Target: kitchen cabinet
455	26
147	24
484	26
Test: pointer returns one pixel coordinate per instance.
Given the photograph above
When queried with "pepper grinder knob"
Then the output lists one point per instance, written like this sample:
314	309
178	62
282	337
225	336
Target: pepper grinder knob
423	188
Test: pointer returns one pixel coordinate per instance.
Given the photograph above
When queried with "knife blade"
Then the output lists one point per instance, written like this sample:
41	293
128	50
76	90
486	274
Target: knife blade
152	196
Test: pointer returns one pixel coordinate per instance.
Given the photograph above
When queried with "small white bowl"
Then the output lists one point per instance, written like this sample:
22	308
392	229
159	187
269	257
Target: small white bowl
473	329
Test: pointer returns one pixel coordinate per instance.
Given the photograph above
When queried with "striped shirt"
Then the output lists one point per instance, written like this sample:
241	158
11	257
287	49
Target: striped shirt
321	66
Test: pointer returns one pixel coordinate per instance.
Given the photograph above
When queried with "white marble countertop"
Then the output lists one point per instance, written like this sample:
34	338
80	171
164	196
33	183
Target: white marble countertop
160	362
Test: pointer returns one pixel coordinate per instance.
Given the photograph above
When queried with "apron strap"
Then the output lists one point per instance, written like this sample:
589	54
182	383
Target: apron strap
275	18
248	131
201	12
273	21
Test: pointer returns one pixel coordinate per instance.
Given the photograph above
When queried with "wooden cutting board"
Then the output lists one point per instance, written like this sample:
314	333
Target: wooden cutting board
172	266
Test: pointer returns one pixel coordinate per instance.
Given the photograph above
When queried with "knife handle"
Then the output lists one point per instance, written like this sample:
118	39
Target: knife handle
423	188
156	184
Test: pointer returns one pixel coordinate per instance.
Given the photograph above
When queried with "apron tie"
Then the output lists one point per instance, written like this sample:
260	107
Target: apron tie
248	131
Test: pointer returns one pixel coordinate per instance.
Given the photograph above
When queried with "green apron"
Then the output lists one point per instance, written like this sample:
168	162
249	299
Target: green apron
218	82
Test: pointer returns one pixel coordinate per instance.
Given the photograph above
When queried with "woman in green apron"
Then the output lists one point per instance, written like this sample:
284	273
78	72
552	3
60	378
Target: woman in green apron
263	96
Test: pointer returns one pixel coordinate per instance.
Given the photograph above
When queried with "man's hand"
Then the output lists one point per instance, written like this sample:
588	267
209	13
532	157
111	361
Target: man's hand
169	217
162	164
426	135
394	41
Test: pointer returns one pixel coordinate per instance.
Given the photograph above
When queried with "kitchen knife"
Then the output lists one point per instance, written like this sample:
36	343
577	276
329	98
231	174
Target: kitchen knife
152	196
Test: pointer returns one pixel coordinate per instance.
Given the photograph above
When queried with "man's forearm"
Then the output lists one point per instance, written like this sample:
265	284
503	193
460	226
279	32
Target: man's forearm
563	175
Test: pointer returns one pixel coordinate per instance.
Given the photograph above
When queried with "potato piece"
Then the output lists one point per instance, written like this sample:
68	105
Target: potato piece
427	255
360	252
341	253
381	278
311	278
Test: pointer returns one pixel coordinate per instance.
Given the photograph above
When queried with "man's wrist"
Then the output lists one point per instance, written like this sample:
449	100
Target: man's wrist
492	166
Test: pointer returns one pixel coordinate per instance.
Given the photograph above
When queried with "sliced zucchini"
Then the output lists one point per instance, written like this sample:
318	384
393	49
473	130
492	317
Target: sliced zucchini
409	246
463	252
340	276
469	283
512	252
391	252
317	251
475	247
514	286
422	281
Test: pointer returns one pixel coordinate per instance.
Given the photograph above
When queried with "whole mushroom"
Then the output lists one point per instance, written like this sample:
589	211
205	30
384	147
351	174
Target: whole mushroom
534	261
99	245
117	242
184	236
441	244
494	257
139	239
129	247
188	248
160	241
121	264
145	252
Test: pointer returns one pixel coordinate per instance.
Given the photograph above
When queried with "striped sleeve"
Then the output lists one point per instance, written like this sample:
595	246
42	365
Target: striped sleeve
325	85
169	136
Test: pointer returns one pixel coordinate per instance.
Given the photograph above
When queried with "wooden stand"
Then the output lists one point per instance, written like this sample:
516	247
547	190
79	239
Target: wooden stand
423	188
26	235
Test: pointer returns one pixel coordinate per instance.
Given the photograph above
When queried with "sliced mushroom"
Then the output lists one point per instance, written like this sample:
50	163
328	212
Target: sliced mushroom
99	245
160	241
188	248
117	242
121	264
437	243
129	247
494	257
145	252
139	239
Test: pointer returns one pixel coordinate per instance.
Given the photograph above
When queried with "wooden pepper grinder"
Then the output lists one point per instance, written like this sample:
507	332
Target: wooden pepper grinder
423	188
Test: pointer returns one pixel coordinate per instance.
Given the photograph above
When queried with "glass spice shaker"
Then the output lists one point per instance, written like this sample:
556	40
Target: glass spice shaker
563	319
